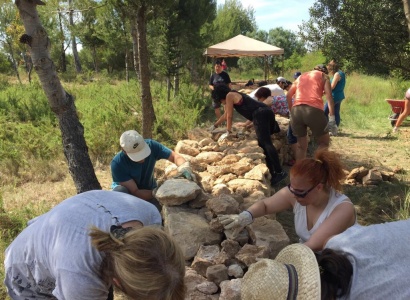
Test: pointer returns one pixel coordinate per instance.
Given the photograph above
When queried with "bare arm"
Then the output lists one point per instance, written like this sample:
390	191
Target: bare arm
211	87
280	201
229	101
176	158
341	218
134	190
335	80
290	95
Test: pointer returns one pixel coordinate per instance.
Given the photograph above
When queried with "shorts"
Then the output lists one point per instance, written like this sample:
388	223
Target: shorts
304	116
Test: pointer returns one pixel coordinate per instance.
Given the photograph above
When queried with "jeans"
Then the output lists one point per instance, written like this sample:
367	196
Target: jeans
337	112
265	125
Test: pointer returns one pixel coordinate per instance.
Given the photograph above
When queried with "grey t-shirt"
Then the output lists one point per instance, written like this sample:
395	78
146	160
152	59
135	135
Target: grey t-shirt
53	256
380	256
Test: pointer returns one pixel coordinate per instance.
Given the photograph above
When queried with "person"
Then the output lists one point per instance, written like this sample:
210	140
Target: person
92	241
132	168
224	65
293	274
320	209
363	262
404	113
263	121
307	109
297	74
218	78
277	89
338	82
279	106
250	82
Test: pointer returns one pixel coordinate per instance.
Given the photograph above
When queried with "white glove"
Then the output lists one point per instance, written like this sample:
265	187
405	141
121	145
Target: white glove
332	127
236	222
223	137
212	128
185	171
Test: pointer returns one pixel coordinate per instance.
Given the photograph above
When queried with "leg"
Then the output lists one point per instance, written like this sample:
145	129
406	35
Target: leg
337	113
263	123
292	140
301	148
323	141
404	114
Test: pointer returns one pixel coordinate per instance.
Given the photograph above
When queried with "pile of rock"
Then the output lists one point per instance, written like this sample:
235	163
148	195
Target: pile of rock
369	177
231	176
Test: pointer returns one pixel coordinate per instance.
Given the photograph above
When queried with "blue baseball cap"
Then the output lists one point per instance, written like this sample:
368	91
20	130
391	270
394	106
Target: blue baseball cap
297	74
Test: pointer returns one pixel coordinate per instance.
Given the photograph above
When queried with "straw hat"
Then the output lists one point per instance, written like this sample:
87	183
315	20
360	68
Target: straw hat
294	274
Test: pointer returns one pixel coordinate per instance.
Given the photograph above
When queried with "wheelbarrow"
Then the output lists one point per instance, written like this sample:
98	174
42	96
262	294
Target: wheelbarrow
397	107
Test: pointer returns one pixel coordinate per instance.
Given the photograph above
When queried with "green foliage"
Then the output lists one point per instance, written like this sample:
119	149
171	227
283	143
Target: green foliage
233	19
371	35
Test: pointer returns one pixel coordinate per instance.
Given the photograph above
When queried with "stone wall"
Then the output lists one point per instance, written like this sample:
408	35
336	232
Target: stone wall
231	176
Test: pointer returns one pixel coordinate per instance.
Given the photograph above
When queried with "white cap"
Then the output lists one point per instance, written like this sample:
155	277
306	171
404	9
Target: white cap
134	145
281	79
408	94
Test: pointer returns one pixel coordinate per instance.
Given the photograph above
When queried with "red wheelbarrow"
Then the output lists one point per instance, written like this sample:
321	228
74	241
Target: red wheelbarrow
397	107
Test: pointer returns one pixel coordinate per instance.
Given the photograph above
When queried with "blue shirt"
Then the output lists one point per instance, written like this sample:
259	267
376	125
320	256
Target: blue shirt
124	169
338	92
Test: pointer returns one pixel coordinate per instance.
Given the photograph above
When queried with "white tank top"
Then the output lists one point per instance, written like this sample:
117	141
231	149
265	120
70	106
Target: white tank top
304	234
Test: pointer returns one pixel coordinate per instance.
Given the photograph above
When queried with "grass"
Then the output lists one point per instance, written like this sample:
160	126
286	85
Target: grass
33	171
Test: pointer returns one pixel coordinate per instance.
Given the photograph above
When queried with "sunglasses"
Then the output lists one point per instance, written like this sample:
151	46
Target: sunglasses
302	194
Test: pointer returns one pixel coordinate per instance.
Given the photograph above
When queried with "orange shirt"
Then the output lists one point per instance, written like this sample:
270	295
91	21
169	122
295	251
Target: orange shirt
309	89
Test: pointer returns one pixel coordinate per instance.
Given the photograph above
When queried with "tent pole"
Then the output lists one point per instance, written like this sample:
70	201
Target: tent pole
283	63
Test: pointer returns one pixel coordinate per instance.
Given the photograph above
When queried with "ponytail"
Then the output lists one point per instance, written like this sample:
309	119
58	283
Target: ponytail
325	167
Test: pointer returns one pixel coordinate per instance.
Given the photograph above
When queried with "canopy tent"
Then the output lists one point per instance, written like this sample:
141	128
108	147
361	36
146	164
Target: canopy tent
241	45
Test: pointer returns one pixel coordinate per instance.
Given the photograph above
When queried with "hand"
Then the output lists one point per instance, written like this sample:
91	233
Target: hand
185	171
332	127
223	137
236	222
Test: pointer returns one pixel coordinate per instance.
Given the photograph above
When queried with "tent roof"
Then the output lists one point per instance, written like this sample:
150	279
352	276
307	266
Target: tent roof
241	45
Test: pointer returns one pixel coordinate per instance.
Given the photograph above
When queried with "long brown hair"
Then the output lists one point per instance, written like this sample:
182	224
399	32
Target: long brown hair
147	262
325	167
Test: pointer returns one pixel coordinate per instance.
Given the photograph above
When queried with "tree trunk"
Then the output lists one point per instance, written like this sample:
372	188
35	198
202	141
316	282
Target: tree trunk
406	5
169	88
135	55
62	103
63	63
148	114
13	60
95	61
77	62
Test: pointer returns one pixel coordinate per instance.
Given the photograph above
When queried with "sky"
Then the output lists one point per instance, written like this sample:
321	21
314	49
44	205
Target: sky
270	14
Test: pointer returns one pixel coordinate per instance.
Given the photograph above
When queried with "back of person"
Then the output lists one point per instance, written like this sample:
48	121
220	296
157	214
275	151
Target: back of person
379	255
248	106
275	89
338	92
309	91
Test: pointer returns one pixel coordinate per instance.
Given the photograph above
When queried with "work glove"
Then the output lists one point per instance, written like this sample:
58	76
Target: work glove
185	171
332	127
212	128
236	222
223	137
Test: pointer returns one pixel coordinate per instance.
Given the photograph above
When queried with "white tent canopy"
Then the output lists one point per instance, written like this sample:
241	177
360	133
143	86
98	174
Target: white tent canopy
241	45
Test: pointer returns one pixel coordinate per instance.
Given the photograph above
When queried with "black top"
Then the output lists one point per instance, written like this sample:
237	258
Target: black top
218	79
248	106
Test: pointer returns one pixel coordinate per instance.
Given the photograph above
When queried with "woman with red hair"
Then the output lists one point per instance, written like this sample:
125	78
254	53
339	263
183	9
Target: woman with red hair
313	193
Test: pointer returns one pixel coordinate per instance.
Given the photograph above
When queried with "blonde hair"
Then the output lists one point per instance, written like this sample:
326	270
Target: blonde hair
146	261
325	167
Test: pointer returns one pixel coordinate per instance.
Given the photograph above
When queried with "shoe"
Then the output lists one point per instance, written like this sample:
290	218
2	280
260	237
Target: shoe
278	177
395	130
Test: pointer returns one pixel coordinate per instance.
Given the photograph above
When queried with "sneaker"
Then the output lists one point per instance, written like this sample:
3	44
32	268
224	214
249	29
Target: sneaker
395	129
278	177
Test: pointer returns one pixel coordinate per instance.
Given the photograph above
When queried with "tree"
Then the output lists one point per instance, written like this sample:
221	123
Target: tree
62	103
406	6
372	36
